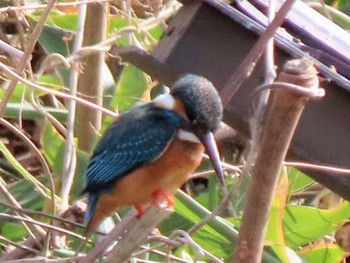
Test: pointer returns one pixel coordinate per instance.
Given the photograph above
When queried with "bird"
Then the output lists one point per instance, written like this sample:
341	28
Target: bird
150	151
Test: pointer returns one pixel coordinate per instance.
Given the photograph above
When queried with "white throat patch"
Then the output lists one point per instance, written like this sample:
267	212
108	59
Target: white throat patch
165	101
187	136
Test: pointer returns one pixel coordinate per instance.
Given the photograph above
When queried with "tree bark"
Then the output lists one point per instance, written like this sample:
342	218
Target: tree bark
281	118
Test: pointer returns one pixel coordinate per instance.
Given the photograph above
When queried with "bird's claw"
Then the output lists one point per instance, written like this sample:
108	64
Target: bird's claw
162	199
139	210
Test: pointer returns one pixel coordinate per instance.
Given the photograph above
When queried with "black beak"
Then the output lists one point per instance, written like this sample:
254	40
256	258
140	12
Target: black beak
210	145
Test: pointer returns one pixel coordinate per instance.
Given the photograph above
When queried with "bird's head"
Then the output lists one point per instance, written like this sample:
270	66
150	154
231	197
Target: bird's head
202	108
201	102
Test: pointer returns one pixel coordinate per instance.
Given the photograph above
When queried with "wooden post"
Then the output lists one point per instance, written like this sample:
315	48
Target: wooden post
281	118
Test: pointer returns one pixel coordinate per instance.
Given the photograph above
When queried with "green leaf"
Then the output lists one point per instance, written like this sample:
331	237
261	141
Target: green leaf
302	224
116	23
223	233
18	94
25	195
53	145
156	32
26	175
131	86
207	237
298	180
55	40
78	186
214	242
21	91
13	231
63	21
323	253
27	111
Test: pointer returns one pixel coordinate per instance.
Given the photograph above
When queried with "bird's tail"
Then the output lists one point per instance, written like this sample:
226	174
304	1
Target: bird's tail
90	226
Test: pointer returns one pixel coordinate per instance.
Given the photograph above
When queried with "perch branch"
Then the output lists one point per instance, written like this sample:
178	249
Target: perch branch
131	233
281	118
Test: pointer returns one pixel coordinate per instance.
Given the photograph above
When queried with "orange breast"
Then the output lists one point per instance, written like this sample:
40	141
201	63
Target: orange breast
167	173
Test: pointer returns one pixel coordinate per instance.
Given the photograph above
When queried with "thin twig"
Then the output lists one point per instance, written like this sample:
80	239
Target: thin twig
165	241
185	238
38	153
247	66
8	71
69	162
227	166
223	204
45	260
31	212
35	102
26	56
19	246
39	233
44	225
14	52
36	105
324	168
43	6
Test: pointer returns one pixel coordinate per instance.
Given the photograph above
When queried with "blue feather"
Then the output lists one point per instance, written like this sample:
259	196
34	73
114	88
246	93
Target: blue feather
136	138
93	198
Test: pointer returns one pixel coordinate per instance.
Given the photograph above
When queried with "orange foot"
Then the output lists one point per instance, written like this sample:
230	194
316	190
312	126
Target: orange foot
160	197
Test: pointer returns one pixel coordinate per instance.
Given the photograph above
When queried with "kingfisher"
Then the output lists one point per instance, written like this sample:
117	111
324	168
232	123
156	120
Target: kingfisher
151	150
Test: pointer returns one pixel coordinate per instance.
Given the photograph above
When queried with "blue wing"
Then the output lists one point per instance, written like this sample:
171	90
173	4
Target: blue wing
137	137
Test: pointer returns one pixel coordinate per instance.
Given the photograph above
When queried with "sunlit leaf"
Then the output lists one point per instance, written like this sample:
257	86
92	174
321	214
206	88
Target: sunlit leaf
52	143
130	88
298	180
323	253
21	91
63	21
302	224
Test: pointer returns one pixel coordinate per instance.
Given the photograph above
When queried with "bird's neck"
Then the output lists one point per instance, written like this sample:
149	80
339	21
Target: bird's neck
167	101
187	136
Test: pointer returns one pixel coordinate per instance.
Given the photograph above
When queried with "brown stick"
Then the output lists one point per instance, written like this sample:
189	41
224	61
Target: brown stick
90	84
137	234
282	115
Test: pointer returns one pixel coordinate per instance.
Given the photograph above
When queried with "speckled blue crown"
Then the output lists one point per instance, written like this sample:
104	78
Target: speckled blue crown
201	101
